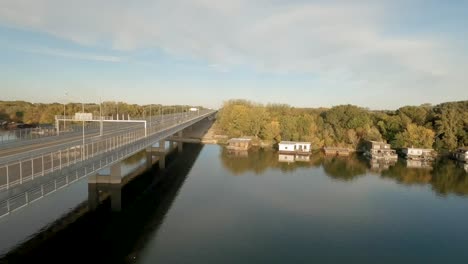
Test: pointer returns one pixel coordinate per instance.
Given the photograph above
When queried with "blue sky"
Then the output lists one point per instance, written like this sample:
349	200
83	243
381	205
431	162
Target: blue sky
376	54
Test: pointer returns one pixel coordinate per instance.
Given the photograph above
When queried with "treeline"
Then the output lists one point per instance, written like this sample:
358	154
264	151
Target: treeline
38	113
443	127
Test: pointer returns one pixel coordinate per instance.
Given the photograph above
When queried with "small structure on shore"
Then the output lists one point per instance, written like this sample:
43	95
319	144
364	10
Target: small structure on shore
461	154
379	150
239	143
419	154
336	151
293	147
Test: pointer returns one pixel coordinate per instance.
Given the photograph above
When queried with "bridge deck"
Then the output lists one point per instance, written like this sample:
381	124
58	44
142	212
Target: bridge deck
23	169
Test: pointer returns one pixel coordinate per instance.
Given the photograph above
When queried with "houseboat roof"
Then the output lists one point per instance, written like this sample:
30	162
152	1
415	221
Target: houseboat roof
294	143
419	148
378	142
336	148
239	140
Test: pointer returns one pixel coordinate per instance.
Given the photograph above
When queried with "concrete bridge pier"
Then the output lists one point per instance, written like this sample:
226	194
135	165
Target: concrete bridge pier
110	184
160	152
115	191
180	145
149	158
93	196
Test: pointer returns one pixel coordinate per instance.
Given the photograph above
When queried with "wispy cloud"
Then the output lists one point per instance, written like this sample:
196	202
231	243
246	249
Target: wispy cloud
72	54
332	40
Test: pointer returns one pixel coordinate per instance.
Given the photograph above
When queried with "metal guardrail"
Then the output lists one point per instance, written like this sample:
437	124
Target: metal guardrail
62	176
21	168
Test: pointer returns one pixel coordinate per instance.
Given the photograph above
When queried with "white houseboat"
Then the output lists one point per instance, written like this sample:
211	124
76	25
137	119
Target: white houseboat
293	147
418	154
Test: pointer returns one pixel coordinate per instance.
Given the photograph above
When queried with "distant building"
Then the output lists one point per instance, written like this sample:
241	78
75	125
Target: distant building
461	154
379	150
418	154
239	144
293	147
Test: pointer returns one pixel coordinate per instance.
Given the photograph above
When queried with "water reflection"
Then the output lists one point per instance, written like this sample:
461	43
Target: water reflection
344	168
445	176
107	237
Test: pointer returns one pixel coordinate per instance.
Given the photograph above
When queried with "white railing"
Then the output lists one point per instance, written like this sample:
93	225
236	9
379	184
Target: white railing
25	167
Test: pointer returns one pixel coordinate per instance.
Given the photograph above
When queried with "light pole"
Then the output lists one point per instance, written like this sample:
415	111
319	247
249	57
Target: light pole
101	128
64	122
82	118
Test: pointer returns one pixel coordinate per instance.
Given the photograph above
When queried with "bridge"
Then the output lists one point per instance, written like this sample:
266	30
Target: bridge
33	168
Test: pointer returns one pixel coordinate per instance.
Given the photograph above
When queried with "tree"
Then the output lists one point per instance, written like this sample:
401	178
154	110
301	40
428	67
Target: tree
415	136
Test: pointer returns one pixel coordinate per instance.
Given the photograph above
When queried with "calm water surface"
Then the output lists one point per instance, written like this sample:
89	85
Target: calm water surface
211	206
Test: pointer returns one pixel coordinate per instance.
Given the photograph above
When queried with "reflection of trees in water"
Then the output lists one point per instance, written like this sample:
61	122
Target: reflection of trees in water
344	168
407	176
448	178
258	161
445	177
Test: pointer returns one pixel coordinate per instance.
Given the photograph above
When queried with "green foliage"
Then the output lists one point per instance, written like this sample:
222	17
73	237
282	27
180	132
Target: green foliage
415	136
443	126
19	111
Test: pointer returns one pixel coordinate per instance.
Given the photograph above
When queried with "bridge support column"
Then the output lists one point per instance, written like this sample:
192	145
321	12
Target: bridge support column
162	145
149	158
116	197
162	161
116	170
180	144
93	196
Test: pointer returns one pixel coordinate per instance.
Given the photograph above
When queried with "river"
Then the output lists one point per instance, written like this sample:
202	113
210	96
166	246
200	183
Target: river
212	206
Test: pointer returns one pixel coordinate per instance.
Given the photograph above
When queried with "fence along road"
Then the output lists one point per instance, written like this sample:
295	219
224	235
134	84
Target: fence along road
66	162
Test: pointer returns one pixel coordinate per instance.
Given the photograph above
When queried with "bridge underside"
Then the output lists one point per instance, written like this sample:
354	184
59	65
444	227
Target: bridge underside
56	166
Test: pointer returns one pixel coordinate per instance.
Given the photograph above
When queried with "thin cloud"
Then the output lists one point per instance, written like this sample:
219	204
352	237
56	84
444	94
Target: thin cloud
72	54
331	40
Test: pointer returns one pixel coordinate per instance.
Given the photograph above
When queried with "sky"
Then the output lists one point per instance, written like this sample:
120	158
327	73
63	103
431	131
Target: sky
377	54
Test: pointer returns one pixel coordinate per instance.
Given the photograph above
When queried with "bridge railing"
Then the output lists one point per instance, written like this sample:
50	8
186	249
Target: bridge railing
18	171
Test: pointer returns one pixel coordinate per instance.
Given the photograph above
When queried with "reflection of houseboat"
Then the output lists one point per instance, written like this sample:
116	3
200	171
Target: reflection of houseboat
418	154
377	150
381	165
286	158
461	154
305	158
292	147
418	163
293	158
239	144
238	153
335	151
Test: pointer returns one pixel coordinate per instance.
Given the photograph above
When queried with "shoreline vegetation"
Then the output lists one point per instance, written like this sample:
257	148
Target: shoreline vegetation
443	127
